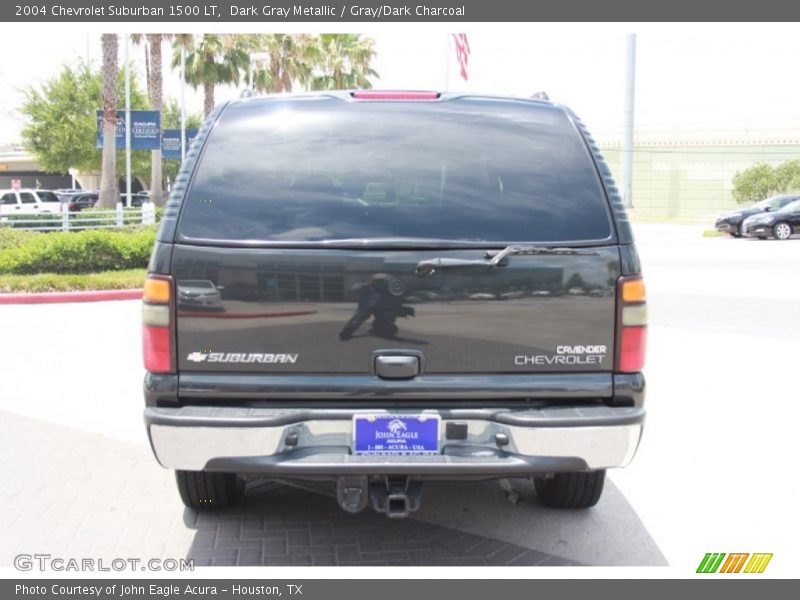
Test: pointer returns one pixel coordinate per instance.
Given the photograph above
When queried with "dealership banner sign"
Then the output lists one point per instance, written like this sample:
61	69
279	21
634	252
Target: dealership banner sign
171	142
145	130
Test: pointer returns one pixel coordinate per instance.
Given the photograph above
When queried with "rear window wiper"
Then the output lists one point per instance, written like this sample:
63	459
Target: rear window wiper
494	258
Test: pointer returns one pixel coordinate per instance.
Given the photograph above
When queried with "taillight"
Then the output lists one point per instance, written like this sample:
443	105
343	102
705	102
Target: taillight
158	344
631	324
378	95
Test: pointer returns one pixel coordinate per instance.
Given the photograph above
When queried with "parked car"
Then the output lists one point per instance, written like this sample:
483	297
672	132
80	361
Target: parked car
28	202
731	222
82	200
136	199
377	397
780	224
64	194
48	198
196	294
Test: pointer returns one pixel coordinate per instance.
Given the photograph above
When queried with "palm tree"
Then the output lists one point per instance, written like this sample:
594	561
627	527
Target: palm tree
155	91
108	177
292	58
214	60
345	62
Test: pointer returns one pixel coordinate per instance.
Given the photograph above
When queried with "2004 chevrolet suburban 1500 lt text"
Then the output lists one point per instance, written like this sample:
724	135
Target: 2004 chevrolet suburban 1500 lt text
396	287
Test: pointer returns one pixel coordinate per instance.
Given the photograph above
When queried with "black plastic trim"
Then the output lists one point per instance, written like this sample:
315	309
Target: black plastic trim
161	389
286	465
629	389
244	386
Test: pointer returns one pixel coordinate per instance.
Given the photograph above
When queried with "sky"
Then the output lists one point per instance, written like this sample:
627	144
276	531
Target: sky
693	81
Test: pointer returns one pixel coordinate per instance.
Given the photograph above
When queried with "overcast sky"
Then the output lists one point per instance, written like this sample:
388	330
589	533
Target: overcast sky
692	80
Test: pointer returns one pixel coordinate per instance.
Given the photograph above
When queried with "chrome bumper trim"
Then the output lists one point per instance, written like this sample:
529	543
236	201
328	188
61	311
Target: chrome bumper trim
255	440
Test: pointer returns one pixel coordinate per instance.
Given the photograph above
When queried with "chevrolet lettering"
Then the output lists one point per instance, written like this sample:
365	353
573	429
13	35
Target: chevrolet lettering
337	295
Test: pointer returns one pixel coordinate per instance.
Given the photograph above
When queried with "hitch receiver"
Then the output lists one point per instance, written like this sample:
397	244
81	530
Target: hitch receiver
396	497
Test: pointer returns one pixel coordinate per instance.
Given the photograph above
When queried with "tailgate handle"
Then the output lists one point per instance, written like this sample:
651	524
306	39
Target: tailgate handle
397	367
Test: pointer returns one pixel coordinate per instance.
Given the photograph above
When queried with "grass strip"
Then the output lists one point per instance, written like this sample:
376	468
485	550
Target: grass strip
73	282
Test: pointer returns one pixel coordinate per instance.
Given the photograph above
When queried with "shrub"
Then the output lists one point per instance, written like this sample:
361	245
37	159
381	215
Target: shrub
13	238
76	251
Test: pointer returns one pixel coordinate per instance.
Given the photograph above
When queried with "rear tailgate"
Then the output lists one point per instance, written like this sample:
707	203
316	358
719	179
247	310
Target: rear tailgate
316	311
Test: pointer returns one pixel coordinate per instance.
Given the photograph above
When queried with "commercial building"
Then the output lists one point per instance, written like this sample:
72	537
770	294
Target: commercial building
689	176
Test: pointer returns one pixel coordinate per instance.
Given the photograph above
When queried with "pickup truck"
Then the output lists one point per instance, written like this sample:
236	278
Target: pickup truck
408	286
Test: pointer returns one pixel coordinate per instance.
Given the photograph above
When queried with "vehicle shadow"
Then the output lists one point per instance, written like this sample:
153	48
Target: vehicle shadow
281	524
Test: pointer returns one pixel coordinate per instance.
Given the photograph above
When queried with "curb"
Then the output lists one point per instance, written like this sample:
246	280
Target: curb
61	297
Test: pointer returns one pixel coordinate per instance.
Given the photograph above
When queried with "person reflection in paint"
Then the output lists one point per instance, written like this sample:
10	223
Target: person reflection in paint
381	299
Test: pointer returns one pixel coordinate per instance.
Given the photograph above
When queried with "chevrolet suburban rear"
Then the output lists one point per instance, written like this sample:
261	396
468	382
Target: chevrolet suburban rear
376	289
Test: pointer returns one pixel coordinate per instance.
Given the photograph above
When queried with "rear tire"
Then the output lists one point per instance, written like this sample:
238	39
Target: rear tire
571	490
203	490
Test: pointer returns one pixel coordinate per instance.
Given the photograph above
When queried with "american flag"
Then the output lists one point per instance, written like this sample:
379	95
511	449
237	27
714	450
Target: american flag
462	53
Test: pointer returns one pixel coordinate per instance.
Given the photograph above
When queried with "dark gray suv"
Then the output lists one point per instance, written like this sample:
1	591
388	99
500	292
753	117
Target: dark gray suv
410	286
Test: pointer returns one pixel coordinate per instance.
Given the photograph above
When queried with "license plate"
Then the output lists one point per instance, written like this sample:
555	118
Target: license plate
396	434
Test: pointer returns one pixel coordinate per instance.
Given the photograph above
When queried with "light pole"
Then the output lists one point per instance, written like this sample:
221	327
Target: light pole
627	125
127	122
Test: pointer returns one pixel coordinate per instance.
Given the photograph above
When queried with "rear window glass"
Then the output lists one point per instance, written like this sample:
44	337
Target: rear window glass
47	197
468	170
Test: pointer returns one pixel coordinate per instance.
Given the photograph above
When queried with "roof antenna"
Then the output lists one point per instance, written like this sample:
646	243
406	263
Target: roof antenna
540	96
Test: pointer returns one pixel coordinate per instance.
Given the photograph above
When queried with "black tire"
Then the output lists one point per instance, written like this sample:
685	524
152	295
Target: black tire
203	490
735	234
782	231
571	490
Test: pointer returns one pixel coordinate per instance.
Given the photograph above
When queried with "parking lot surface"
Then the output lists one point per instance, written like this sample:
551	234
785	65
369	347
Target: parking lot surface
79	478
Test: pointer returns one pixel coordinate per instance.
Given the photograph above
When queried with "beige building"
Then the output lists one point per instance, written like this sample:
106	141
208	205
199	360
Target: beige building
690	176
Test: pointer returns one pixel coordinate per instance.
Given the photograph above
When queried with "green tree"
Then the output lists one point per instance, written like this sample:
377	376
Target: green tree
576	280
345	62
762	180
787	176
171	119
62	124
292	58
155	91
215	60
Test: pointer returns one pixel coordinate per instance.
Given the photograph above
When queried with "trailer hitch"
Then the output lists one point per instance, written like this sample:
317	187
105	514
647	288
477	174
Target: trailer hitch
397	497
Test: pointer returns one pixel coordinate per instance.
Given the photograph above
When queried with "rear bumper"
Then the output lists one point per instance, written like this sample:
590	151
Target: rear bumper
317	443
